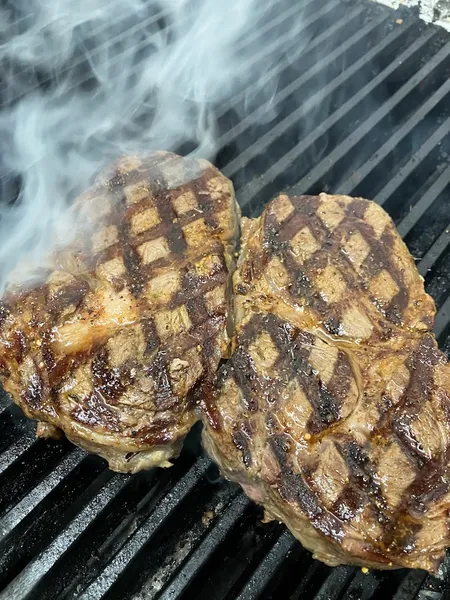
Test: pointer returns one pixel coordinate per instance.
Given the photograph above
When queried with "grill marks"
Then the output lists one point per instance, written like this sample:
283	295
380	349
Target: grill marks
431	485
70	295
340	441
105	380
363	488
33	395
329	249
294	347
419	392
432	481
241	442
131	258
94	412
296	352
341	379
293	488
170	228
152	341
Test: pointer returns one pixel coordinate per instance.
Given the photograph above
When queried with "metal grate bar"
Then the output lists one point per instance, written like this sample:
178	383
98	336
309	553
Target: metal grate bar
397	180
311	582
436	587
442	319
140	27
281	95
419	209
331	32
314	177
410	585
201	555
336	583
22	586
4	407
16	450
394	140
292	156
136	542
40	492
435	252
268	566
5	402
293	118
280	42
363	586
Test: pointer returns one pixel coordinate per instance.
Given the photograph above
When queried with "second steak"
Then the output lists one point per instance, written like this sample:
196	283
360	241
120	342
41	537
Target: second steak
334	410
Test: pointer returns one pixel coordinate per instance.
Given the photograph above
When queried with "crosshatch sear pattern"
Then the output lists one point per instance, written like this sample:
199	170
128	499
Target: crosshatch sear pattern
117	345
334	410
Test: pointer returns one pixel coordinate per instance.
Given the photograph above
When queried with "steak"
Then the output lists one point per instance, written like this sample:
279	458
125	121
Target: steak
334	410
116	346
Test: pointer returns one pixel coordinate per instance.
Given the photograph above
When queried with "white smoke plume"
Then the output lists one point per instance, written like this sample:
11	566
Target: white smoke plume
151	73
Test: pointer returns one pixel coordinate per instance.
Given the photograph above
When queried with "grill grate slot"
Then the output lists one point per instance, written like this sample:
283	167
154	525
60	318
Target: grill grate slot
149	527
380	117
276	175
198	558
267	569
361	108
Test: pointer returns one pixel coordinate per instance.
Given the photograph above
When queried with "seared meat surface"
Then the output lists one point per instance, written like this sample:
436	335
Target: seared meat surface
334	410
117	344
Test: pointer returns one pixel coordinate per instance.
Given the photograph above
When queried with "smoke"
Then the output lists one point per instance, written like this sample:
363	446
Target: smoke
87	81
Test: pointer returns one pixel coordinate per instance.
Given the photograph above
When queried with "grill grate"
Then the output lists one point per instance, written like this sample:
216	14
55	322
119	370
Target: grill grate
362	110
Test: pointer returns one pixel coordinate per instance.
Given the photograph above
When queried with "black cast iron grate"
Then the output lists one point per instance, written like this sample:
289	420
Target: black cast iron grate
374	121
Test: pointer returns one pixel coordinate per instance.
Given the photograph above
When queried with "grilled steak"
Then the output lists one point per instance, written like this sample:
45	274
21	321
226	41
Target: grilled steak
117	344
334	411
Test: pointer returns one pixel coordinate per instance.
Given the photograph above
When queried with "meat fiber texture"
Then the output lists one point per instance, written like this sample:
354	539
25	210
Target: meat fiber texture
334	409
126	332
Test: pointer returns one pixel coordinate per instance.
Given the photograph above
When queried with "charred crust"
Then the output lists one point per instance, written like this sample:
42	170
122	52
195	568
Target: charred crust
244	373
293	488
33	395
241	443
363	484
106	381
152	341
131	259
164	397
431	484
342	375
93	412
71	294
419	390
20	345
197	311
172	231
4	312
160	432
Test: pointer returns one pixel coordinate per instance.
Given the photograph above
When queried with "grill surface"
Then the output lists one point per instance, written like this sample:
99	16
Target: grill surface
364	111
